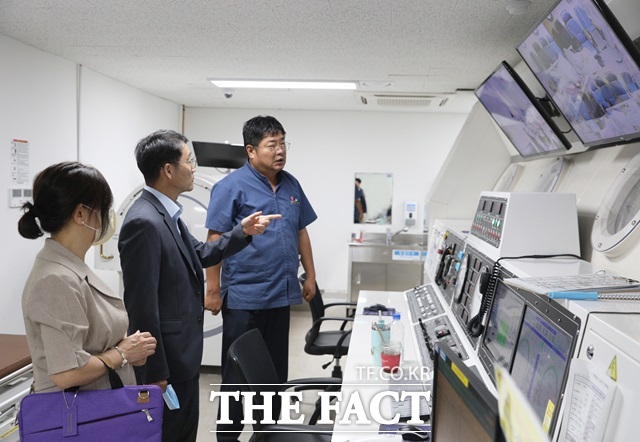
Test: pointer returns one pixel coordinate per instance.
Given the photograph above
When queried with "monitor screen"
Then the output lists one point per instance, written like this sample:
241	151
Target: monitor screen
517	112
463	409
589	67
541	363
229	156
502	329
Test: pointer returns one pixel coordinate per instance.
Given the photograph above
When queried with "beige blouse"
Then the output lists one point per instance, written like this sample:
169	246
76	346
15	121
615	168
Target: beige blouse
69	315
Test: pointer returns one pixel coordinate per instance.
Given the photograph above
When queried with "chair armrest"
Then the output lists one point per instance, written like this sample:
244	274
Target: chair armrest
346	304
326	384
325	318
333	304
313	381
318	322
339	344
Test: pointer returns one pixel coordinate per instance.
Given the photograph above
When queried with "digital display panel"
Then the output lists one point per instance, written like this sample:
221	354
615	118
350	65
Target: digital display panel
589	67
517	112
463	409
230	156
503	326
540	364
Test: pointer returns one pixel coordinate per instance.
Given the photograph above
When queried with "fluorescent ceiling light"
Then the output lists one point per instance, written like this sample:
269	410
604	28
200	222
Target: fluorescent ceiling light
283	84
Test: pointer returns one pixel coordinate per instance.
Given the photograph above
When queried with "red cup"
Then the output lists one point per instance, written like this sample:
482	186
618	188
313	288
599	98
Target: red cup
390	357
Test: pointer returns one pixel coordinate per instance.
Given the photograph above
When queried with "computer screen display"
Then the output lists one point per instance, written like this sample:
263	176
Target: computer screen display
502	329
228	156
541	362
589	67
463	409
517	112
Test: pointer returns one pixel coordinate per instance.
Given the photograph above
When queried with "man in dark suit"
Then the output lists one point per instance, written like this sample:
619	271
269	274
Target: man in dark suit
163	278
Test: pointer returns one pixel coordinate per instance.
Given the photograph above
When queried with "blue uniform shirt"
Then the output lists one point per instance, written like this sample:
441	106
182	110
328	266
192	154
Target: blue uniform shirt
265	273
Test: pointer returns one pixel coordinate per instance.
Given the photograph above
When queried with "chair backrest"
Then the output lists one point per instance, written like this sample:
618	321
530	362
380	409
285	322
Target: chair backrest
252	363
316	304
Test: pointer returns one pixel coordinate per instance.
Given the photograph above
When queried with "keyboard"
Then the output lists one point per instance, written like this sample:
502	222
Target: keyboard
411	382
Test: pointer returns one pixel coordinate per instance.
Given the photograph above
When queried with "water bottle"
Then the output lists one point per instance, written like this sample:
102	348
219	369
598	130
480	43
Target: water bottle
392	350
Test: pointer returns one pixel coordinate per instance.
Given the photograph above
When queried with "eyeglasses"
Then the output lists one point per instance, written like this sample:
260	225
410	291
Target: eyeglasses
285	145
192	161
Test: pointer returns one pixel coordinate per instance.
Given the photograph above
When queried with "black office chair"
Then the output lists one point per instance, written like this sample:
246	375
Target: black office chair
327	342
252	363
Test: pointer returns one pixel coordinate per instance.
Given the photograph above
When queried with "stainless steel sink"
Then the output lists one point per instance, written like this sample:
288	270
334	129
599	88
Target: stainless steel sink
410	240
380	239
376	265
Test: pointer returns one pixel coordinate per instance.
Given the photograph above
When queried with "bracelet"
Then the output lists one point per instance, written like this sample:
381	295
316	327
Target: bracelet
124	360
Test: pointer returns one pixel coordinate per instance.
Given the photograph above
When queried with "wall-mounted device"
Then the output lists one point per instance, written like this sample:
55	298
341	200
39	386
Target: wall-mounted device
595	91
526	223
231	156
410	213
18	195
615	227
519	114
509	224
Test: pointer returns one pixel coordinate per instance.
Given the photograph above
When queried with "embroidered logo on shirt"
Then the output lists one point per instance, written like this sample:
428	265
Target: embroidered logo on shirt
293	200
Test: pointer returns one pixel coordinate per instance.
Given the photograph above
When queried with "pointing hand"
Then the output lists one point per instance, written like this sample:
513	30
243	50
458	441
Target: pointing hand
256	223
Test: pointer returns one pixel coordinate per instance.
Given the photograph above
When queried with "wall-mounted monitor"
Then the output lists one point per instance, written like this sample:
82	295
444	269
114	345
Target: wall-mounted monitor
519	114
588	65
228	156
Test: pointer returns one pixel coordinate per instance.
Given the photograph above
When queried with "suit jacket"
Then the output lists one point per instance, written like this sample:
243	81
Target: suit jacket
164	286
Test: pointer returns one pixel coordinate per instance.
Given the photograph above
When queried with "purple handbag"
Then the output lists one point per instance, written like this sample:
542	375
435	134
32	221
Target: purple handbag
130	413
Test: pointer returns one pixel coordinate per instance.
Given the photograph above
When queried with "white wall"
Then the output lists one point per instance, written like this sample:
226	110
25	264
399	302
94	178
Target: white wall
328	148
39	104
113	117
478	157
38	93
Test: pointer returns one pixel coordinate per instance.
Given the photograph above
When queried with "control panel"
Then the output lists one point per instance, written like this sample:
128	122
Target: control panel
423	303
527	223
489	219
466	305
433	330
451	261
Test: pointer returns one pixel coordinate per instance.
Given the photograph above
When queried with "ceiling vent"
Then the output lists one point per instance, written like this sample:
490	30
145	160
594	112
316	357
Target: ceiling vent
406	101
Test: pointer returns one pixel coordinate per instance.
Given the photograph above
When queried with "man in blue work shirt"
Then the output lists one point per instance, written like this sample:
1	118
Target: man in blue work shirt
257	285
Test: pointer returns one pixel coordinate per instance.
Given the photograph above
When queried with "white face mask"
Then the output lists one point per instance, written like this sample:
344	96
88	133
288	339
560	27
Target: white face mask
102	236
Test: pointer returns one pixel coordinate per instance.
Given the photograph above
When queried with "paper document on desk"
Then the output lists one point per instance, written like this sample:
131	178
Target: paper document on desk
518	420
588	403
544	285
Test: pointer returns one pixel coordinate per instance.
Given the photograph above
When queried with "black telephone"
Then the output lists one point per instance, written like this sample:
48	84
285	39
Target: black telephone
488	282
445	262
487	286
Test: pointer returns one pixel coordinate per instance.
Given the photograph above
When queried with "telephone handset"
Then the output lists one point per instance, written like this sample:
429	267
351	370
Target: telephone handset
445	261
487	286
460	279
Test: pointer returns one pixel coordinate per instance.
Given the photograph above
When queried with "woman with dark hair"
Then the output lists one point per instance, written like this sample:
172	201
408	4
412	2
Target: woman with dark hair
74	323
